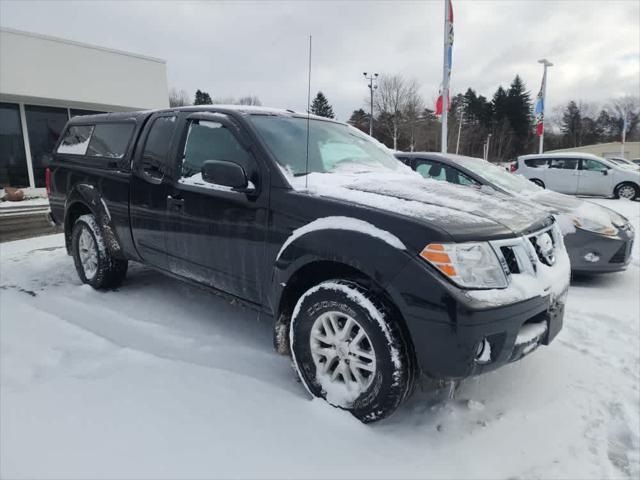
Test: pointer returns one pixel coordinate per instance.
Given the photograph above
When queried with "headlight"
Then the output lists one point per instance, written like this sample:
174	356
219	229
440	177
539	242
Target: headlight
591	226
469	265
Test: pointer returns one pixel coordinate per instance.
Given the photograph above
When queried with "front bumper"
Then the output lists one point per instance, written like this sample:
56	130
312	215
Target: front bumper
447	327
606	254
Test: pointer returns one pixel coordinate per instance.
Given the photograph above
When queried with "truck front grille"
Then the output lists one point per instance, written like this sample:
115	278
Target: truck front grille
510	259
545	246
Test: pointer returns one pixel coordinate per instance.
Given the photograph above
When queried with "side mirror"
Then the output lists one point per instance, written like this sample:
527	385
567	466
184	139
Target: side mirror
605	172
226	174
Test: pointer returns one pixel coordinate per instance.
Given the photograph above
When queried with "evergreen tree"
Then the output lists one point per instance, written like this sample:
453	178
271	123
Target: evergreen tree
519	108
321	106
499	105
360	120
202	98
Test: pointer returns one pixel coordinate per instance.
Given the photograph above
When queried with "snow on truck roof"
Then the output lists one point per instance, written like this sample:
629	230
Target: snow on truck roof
245	109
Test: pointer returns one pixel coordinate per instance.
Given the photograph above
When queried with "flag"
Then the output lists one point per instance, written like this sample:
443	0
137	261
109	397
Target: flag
448	60
439	103
539	107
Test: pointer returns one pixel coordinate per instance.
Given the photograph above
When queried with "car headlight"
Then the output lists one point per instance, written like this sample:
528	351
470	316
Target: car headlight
596	227
469	265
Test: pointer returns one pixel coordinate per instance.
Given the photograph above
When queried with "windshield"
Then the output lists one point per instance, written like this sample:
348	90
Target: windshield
498	176
619	161
332	146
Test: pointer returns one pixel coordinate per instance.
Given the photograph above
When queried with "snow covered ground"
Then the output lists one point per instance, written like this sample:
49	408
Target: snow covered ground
161	380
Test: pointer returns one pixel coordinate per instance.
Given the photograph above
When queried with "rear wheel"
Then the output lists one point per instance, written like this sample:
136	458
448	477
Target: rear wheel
349	350
538	182
627	191
93	261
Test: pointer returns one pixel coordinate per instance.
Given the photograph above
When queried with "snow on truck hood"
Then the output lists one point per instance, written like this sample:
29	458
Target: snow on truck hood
451	207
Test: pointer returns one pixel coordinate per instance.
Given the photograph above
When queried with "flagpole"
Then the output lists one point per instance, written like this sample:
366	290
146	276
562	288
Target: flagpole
546	64
445	77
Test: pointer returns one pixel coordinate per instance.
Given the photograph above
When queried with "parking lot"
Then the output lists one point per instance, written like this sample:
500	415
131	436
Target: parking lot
162	380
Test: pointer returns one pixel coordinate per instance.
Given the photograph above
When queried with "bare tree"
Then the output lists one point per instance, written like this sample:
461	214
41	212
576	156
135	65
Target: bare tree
246	100
412	115
250	100
394	95
627	110
178	98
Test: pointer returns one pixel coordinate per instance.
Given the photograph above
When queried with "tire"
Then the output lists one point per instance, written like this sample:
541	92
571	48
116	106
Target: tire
93	261
362	346
538	182
627	190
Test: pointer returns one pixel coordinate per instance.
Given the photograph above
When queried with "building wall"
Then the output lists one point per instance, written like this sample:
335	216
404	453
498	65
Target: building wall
42	67
612	149
44	81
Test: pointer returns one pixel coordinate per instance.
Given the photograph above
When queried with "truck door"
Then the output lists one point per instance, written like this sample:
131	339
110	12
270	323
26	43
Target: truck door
149	188
216	235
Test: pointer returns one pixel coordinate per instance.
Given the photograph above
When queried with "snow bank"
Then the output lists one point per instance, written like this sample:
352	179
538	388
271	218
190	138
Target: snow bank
343	223
161	380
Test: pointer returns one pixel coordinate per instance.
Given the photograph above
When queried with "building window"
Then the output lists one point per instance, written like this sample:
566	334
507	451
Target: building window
44	124
13	160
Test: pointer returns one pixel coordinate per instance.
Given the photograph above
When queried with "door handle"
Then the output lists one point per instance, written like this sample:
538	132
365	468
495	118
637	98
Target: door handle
176	202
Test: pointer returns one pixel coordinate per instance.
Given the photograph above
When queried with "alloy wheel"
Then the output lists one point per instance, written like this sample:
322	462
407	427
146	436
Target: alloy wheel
627	192
342	352
88	253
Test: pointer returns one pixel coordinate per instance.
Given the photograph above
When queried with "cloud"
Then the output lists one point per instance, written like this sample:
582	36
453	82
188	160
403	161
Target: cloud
240	48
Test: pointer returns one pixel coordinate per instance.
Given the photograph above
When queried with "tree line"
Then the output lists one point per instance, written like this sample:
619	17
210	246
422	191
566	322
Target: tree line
402	121
505	121
180	98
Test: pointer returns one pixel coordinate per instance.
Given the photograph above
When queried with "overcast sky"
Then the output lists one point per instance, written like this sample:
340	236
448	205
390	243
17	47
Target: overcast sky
260	48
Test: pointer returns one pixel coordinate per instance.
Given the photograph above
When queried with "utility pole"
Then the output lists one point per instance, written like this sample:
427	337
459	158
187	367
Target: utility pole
372	86
542	103
486	147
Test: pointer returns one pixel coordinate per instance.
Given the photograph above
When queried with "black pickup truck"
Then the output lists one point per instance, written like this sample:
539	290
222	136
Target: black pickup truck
370	273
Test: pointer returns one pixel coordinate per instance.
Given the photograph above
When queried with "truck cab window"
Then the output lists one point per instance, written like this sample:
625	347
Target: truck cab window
156	148
208	140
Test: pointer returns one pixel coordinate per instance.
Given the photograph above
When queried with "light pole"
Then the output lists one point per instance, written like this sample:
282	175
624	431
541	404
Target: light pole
543	94
372	86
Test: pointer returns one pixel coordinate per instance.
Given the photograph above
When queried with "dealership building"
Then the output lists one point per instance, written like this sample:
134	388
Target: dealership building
44	81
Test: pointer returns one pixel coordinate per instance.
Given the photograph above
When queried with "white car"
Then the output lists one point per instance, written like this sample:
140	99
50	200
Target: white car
580	174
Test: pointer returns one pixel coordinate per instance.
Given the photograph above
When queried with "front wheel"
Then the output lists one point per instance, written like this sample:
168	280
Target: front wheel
349	350
93	261
538	182
627	191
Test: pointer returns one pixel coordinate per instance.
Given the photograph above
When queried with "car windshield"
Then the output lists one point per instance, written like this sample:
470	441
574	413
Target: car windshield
498	176
332	146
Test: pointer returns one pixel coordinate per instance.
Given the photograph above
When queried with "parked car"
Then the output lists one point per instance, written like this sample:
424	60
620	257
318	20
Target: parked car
622	162
580	174
598	239
370	274
636	161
